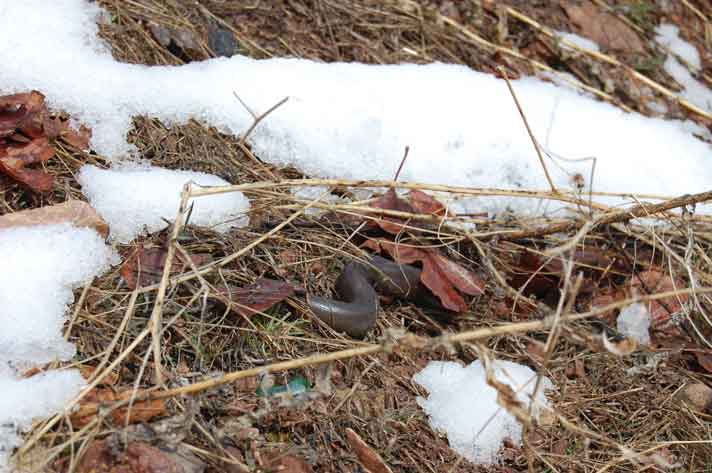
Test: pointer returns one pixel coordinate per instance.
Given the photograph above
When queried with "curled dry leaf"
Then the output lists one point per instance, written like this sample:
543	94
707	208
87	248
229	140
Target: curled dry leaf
26	127
145	265
15	158
369	459
258	296
76	212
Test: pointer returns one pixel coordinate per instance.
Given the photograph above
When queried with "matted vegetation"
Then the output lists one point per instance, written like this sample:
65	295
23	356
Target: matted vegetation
615	410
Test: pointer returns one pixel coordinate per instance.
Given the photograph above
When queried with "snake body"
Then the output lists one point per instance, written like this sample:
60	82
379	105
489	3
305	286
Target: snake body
356	313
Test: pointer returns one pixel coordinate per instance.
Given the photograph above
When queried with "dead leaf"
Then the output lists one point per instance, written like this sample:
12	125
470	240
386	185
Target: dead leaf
15	158
258	296
603	28
654	281
369	459
425	203
76	212
25	112
145	265
138	457
140	411
441	275
391	201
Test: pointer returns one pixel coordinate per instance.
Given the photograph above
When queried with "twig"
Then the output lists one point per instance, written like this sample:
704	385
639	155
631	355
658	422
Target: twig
258	119
410	340
157	312
641	210
400	166
529	130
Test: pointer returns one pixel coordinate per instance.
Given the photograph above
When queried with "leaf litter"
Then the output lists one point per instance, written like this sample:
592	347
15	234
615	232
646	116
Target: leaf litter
604	276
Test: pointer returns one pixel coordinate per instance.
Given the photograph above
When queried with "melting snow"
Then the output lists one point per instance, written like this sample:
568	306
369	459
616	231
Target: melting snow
138	199
464	406
352	120
40	267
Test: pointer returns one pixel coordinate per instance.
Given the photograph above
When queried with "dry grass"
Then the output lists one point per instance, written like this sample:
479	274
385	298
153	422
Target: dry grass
606	411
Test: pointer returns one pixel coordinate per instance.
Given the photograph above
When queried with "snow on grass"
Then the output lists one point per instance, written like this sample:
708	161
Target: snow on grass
143	199
634	322
40	267
352	120
577	40
669	36
693	91
464	406
26	399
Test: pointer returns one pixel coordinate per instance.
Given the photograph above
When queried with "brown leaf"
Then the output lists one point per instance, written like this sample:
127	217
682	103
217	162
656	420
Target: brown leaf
425	203
463	279
55	127
259	296
370	460
25	112
76	212
391	201
104	456
13	160
140	411
441	275
403	254
654	281
435	279
602	27
145	266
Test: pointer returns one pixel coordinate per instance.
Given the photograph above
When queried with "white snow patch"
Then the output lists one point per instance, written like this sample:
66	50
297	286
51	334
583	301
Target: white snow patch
577	40
40	267
464	406
26	399
634	322
693	91
351	120
138	199
668	36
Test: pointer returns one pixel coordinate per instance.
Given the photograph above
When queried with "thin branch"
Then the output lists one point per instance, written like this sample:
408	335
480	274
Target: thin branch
529	130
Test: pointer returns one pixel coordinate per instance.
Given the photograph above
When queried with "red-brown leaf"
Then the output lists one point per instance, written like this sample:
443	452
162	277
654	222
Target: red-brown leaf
441	275
14	159
434	279
403	254
259	296
425	204
463	279
138	457
391	201
145	266
25	112
654	281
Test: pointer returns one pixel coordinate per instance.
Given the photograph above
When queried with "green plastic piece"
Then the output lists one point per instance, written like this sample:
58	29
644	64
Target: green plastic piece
297	385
